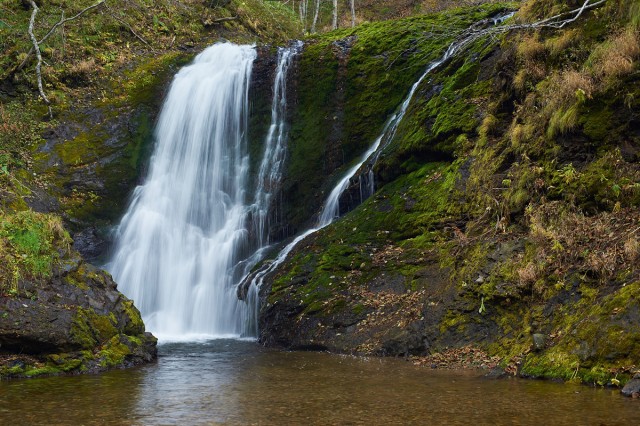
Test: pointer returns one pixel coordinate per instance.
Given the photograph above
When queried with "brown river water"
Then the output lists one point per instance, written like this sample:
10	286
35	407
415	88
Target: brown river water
236	382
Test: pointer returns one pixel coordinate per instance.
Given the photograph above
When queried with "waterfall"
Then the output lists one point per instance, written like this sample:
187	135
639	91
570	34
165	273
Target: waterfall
331	208
275	145
269	177
189	234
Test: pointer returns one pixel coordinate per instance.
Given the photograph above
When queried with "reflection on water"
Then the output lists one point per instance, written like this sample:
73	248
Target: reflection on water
235	382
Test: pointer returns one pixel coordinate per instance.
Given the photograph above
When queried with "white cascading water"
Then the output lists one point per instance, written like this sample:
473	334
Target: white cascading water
189	234
185	228
331	208
269	178
275	146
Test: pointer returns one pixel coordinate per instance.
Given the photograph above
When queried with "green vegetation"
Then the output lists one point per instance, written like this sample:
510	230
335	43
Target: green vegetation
31	244
348	84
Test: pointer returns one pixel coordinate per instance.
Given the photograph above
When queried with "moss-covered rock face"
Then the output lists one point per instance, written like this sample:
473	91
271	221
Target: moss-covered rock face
348	83
59	314
93	158
506	215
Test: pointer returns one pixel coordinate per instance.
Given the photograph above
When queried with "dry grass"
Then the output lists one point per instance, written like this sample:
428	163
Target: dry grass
528	274
558	45
616	57
531	48
598	246
521	134
84	67
632	248
568	87
531	54
564	93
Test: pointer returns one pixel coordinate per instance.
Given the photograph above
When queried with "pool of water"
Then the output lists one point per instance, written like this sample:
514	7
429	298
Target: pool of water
236	382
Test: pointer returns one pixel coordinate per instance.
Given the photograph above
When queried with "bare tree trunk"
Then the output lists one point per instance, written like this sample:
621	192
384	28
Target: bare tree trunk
62	21
315	17
334	24
353	13
303	13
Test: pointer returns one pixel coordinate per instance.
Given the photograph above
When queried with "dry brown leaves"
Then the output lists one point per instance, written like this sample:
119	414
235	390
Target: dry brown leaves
467	357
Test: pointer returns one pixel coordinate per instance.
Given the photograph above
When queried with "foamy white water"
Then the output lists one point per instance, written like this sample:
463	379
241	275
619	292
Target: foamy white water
186	226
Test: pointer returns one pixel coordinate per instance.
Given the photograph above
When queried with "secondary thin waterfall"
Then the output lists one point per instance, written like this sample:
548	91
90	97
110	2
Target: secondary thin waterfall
185	228
275	147
331	208
269	177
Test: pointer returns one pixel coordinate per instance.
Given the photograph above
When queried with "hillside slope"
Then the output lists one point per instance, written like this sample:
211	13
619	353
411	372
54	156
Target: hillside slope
506	216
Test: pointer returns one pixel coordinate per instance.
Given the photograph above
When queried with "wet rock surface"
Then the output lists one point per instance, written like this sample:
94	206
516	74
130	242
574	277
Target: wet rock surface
632	388
75	321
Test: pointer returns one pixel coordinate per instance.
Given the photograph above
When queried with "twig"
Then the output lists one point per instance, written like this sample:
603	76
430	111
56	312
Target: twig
469	37
128	26
36	44
219	20
63	21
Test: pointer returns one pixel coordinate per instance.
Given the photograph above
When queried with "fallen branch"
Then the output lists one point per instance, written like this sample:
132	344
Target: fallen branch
218	21
65	20
556	22
36	48
128	26
230	18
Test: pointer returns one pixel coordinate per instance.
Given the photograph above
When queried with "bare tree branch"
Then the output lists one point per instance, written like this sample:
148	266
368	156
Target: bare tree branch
36	48
65	20
62	21
471	35
36	44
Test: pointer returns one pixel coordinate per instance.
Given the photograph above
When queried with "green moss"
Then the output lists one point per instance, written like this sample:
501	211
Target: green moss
90	329
42	371
66	362
114	352
135	326
551	366
31	245
350	81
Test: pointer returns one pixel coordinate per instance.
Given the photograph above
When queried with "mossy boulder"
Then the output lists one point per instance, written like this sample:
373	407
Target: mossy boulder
59	314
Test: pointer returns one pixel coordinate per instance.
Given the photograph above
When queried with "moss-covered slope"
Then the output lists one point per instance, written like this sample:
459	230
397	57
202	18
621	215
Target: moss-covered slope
105	75
347	84
506	216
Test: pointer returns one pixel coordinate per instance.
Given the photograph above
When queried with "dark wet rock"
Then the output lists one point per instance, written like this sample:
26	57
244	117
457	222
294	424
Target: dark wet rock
90	243
632	387
76	320
539	341
496	373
